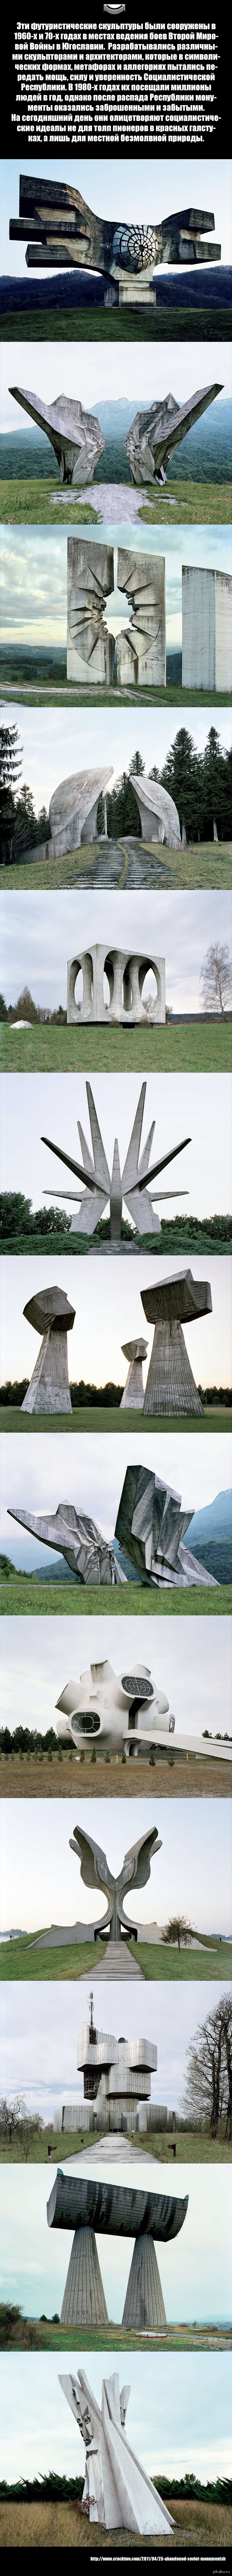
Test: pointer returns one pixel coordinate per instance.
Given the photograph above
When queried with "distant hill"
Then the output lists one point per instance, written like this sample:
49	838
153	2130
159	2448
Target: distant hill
209	1536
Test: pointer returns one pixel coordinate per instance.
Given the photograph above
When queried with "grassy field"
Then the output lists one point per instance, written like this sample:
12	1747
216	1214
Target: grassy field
190	2149
19	1960
89	322
205	863
194	1047
23	1594
95	1418
66	695
30	2334
31	501
64	2526
25	1775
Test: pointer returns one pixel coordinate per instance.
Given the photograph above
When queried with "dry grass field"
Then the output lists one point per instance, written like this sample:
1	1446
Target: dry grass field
25	1775
64	2526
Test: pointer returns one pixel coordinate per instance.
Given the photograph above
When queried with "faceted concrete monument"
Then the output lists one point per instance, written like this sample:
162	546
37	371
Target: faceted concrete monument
113	2210
156	432
61	232
90	579
74	434
117	2492
76	1537
158	814
101	1187
141	649
135	1352
126	977
172	1302
126	1713
49	1390
117	2076
206	629
73	810
150	1528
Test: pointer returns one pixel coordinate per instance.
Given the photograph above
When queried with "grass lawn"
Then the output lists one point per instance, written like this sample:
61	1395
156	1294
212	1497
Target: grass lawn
30	2334
201	1047
204	863
23	1593
32	500
94	322
94	1418
19	1960
64	694
190	2149
25	1775
64	2526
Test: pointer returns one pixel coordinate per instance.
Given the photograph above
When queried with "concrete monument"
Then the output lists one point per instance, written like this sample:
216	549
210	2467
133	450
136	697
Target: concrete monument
90	580
150	1528
51	1315
61	232
73	810
117	2076
206	629
117	2492
113	2210
135	1352
172	1302
74	434
73	1535
156	432
134	1873
126	1713
158	814
141	649
101	1187
126	977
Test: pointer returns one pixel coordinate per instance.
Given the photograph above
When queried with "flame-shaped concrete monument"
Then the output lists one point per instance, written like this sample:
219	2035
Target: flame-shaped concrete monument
117	2492
130	1186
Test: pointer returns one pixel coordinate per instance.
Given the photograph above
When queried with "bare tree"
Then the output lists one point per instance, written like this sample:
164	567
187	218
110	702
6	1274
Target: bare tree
19	2125
178	1930
216	978
208	2095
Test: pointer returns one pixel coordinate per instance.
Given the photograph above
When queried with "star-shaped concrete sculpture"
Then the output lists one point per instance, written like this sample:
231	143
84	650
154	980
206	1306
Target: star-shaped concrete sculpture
131	1185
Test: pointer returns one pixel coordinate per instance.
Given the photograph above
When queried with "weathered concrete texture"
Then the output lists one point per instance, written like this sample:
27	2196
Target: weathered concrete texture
84	2302
73	810
157	431
150	1527
206	629
61	231
76	1537
170	1384
144	2304
126	977
114	2209
131	1185
135	1352
133	1874
159	817
117	2491
74	434
141	650
90	580
49	1390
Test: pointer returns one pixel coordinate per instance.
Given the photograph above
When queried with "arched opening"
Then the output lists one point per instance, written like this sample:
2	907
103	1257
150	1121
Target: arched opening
78	987
148	987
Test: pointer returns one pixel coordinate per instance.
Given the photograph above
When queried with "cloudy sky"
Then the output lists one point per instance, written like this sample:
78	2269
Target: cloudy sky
194	2268
50	1104
41	1878
37	1473
96	374
139	192
198	1686
58	742
103	1323
178	2413
34	577
41	929
39	2049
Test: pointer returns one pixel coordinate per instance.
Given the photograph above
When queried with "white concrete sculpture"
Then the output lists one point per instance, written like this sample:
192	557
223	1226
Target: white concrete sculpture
117	2493
73	809
126	977
157	431
127	1713
131	1186
158	814
206	629
117	2075
50	1313
90	580
141	649
74	434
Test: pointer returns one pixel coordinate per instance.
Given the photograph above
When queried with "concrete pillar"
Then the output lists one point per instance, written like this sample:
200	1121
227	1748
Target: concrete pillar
206	628
170	1384
144	2304
84	2303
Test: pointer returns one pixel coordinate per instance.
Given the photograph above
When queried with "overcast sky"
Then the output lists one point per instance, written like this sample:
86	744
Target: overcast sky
38	1473
178	2413
39	2050
195	2268
40	930
198	1686
103	1323
34	577
50	1104
41	1878
58	742
96	374
137	191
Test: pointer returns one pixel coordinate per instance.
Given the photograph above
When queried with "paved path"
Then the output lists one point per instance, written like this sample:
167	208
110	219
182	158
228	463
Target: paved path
111	2149
116	502
118	1962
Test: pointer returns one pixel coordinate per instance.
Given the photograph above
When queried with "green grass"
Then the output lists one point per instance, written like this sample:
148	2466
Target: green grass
94	1418
31	501
23	1594
204	863
19	1960
202	1047
91	322
191	2148
182	1966
64	694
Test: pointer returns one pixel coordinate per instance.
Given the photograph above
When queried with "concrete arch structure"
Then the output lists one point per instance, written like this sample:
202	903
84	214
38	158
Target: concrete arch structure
158	814
73	809
126	976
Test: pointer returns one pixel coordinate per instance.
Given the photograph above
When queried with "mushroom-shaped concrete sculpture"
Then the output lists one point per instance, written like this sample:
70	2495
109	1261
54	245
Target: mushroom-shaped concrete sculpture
51	1315
170	1384
135	1352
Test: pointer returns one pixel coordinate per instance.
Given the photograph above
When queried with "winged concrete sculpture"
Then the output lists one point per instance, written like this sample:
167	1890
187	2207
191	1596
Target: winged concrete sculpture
149	1536
134	1873
155	433
60	231
74	434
